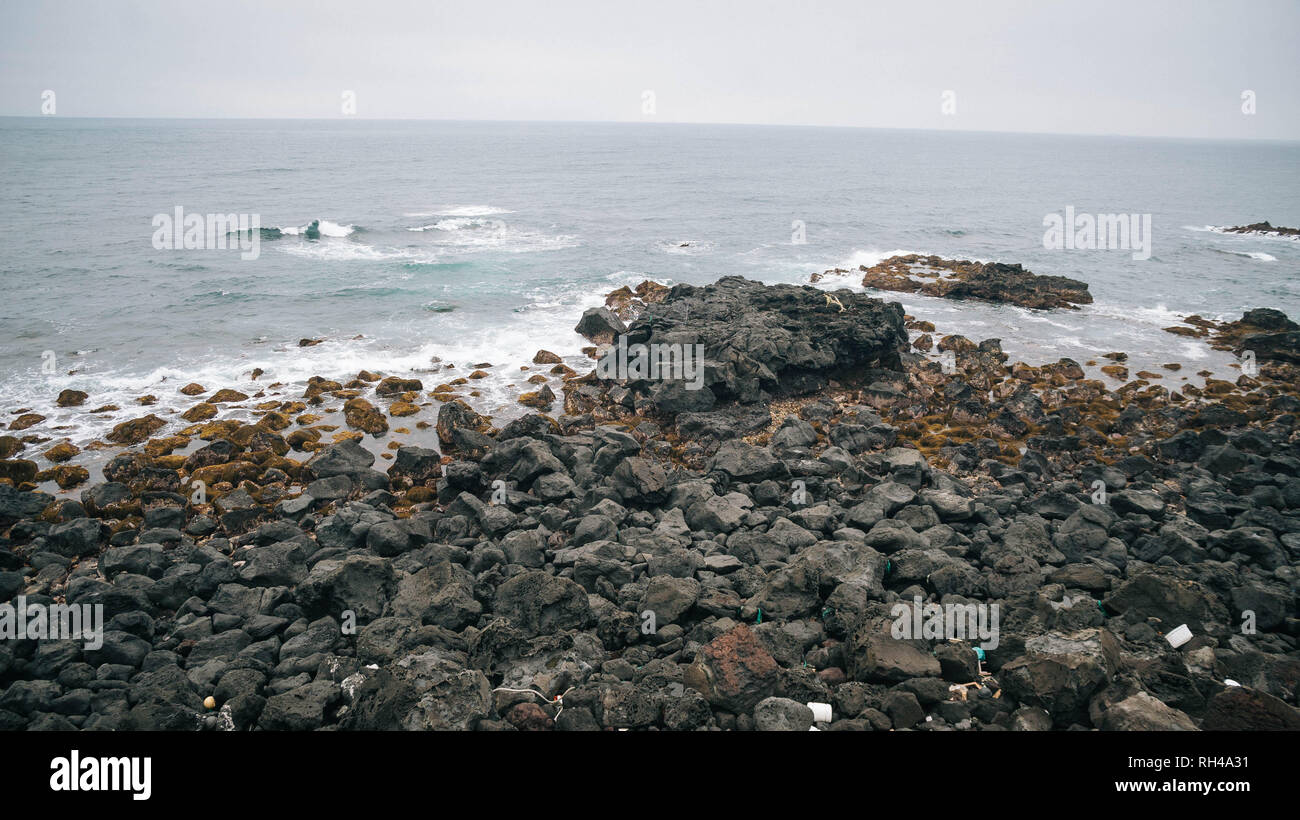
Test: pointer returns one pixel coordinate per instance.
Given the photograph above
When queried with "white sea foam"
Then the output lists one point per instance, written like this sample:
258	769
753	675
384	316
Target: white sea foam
686	247
462	223
632	278
356	252
1258	256
471	210
869	258
545	321
1043	317
326	228
1159	315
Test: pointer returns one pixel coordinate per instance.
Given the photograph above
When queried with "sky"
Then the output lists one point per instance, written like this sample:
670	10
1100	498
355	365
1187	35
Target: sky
1132	67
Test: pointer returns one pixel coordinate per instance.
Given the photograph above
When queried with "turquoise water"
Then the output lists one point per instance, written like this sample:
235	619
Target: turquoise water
482	242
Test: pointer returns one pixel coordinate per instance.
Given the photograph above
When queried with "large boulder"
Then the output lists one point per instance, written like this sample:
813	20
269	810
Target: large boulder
733	671
872	655
1061	672
782	715
345	458
778	340
422	691
1143	713
539	603
361	584
600	325
1240	709
1172	600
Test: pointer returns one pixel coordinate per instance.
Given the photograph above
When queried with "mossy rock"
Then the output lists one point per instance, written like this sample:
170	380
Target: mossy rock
200	412
72	398
26	420
61	452
136	431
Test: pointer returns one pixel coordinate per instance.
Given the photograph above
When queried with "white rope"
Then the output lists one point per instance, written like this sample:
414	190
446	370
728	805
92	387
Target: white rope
559	699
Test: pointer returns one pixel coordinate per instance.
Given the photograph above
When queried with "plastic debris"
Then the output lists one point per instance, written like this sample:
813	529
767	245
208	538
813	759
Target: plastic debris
1179	636
821	712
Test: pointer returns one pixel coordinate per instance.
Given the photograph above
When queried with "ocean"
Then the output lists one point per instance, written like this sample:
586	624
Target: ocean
482	242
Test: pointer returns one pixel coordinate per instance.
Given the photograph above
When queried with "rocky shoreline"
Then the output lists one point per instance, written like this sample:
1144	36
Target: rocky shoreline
996	282
1264	229
658	557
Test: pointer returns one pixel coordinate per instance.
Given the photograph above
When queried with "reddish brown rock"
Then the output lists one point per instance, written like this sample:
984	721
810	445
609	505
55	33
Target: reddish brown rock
529	717
733	671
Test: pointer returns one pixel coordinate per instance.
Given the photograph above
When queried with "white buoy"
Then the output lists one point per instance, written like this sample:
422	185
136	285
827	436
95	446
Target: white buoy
1179	636
821	712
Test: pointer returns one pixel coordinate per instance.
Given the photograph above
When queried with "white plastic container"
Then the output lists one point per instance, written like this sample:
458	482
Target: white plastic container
1179	636
821	712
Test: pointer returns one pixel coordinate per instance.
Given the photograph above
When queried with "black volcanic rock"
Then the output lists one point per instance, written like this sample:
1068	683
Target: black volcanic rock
1263	228
962	279
769	340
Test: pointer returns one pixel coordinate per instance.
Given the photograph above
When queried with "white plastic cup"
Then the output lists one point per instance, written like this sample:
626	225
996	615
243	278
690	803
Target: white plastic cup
1179	636
821	712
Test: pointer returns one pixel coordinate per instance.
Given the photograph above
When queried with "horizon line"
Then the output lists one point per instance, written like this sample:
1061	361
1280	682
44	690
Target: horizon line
354	118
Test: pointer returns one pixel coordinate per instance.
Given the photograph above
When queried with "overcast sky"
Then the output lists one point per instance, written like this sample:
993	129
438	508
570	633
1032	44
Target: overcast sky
1155	68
